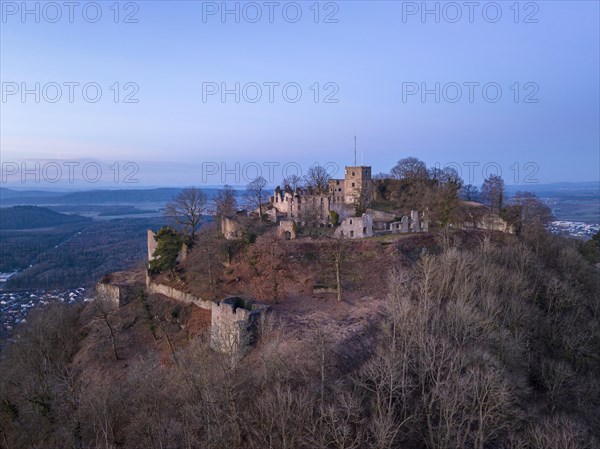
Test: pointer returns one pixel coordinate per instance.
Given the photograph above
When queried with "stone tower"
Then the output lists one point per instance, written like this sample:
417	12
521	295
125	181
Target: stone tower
357	179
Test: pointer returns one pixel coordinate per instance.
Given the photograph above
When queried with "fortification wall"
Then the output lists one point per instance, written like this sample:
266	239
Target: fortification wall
230	228
287	229
152	244
487	222
228	327
355	227
493	222
233	326
177	295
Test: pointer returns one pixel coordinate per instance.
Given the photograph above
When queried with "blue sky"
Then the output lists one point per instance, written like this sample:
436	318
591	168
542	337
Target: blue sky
366	61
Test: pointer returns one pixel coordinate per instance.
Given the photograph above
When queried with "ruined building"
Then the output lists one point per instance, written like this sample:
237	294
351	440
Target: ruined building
299	205
233	323
357	184
308	205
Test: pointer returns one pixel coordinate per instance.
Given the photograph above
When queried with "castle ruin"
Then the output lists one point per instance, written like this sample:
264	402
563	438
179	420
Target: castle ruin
233	320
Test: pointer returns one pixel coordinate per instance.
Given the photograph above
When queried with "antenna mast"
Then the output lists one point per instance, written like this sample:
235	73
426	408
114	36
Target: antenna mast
355	151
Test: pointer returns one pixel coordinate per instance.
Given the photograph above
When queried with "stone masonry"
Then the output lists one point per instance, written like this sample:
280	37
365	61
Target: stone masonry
232	323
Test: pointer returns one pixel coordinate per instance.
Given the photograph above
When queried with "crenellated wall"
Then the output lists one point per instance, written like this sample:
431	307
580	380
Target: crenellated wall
232	324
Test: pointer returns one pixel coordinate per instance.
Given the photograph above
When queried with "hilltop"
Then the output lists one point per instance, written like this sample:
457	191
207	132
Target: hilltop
354	313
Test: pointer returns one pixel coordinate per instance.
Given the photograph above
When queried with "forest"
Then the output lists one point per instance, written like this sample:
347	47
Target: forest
488	345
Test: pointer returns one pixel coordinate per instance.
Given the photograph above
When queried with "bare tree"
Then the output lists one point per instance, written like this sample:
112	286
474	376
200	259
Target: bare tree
278	417
318	178
361	201
492	193
256	196
270	269
103	310
293	181
443	195
560	432
469	192
225	202
338	254
533	213
322	337
311	214
187	209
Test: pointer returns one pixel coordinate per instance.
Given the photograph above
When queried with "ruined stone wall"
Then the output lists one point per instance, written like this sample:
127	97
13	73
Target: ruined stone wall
295	205
233	327
230	228
177	295
425	221
337	190
487	222
228	323
343	210
415	222
493	222
152	244
418	222
287	230
341	193
281	201
313	206
355	227
183	253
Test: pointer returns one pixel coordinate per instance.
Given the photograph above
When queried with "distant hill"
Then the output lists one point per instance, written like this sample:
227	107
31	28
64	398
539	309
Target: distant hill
31	217
119	196
8	194
13	197
563	187
10	197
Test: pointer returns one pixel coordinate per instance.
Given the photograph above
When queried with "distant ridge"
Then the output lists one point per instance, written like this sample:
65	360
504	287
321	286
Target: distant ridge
6	193
554	186
14	197
32	217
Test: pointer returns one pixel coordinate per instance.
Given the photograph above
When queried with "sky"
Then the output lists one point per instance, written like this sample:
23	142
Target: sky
153	93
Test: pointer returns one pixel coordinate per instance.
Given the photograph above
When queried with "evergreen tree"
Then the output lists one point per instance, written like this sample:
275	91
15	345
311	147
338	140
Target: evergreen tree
167	251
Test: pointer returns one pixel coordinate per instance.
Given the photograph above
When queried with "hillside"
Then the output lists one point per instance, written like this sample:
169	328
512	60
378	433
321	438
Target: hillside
73	255
467	340
32	217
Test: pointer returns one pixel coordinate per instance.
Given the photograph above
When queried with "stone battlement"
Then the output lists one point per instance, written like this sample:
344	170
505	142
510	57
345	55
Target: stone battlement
233	320
233	324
